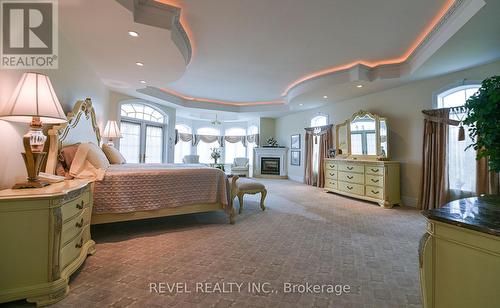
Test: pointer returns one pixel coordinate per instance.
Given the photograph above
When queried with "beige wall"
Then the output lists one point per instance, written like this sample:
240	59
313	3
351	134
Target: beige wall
267	129
74	80
402	106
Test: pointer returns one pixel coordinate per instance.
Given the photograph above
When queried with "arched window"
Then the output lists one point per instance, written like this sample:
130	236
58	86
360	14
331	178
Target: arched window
461	163
232	150
142	128
204	149
318	120
182	148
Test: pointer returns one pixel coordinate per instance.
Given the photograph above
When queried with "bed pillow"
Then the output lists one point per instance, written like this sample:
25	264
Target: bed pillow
67	154
114	156
89	163
96	156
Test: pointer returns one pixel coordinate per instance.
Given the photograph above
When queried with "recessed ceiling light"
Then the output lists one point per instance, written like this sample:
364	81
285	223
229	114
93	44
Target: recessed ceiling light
325	96
301	104
133	33
139	63
359	86
143	81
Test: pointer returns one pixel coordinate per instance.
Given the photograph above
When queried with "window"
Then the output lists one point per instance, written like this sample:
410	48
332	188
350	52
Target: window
142	127
204	149
319	120
182	148
252	130
461	163
232	150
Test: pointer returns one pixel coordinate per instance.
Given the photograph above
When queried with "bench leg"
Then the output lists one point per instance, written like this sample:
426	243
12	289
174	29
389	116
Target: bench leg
263	195
240	200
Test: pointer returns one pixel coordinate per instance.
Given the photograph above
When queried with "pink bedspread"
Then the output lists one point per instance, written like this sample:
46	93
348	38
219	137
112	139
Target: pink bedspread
138	187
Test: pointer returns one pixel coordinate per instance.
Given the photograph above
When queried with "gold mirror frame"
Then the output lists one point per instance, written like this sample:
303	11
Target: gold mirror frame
347	124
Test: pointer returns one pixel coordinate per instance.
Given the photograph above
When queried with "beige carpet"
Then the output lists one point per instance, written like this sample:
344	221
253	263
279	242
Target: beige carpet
304	236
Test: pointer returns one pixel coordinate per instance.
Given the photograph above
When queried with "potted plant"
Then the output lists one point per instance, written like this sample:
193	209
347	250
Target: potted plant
483	119
215	154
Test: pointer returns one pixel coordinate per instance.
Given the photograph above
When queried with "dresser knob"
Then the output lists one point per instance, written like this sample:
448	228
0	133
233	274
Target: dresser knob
374	170
349	177
79	205
375	192
374	181
349	187
332	174
79	244
79	224
350	168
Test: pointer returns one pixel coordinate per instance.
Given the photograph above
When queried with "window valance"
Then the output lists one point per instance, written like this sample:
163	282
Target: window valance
196	138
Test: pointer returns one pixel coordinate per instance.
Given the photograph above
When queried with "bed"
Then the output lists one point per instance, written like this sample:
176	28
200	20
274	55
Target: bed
139	191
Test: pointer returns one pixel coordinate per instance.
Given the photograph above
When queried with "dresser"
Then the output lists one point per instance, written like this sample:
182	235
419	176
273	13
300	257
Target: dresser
459	255
44	238
371	180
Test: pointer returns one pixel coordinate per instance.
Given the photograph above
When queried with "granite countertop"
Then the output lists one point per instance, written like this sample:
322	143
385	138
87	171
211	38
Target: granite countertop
481	214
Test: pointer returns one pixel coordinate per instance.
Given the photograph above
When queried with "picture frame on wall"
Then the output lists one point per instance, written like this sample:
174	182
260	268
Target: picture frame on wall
295	158
295	141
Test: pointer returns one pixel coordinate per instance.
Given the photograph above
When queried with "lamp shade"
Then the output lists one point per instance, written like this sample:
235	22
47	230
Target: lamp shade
111	130
33	97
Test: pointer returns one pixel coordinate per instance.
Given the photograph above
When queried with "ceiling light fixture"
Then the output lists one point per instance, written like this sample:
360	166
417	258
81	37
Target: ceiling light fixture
359	86
216	122
133	34
325	96
301	104
143	81
139	63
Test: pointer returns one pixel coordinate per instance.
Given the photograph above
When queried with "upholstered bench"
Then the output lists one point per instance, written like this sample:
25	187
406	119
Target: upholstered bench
242	186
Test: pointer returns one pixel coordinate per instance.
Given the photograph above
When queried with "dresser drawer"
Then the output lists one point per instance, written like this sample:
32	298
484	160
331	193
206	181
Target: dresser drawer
72	250
374	180
351	177
330	183
374	169
75	206
331	174
331	165
352	168
75	225
352	188
374	192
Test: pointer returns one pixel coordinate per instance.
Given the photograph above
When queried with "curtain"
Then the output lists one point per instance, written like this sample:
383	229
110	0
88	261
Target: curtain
308	170
487	182
324	136
434	181
253	138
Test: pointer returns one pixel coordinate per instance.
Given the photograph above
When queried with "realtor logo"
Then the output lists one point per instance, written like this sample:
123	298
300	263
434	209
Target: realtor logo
29	34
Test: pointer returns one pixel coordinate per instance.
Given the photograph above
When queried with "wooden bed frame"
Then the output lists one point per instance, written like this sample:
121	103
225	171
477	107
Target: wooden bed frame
82	127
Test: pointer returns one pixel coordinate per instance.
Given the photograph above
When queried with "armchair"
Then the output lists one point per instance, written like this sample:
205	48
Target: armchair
240	166
191	159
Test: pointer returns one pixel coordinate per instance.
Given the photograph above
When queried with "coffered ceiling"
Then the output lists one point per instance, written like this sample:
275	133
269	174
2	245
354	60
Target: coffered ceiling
261	55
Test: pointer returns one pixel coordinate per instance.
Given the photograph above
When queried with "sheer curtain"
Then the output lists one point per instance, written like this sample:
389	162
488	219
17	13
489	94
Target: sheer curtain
232	150
461	163
182	148
204	149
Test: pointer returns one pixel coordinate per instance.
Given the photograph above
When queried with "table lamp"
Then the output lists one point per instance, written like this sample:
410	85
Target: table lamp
111	131
33	101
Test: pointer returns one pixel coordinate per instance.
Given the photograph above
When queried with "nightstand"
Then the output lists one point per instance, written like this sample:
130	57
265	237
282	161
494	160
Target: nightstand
45	237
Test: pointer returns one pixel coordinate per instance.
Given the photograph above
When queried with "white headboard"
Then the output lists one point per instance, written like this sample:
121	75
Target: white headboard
81	127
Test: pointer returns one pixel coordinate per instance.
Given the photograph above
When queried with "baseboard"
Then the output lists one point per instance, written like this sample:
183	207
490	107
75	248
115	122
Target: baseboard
296	178
409	201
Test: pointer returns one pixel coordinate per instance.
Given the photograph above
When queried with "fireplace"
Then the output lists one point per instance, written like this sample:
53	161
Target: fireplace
270	165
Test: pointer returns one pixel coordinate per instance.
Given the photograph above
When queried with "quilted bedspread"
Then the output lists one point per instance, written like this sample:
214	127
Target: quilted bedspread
140	187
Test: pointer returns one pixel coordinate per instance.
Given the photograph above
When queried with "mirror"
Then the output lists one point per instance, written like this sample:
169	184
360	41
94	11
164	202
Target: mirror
365	135
383	138
342	143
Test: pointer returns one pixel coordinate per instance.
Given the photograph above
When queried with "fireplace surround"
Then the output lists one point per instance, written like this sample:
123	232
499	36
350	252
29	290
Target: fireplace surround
270	162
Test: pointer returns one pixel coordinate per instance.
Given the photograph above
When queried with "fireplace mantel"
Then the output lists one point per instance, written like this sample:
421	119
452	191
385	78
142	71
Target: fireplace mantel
280	153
